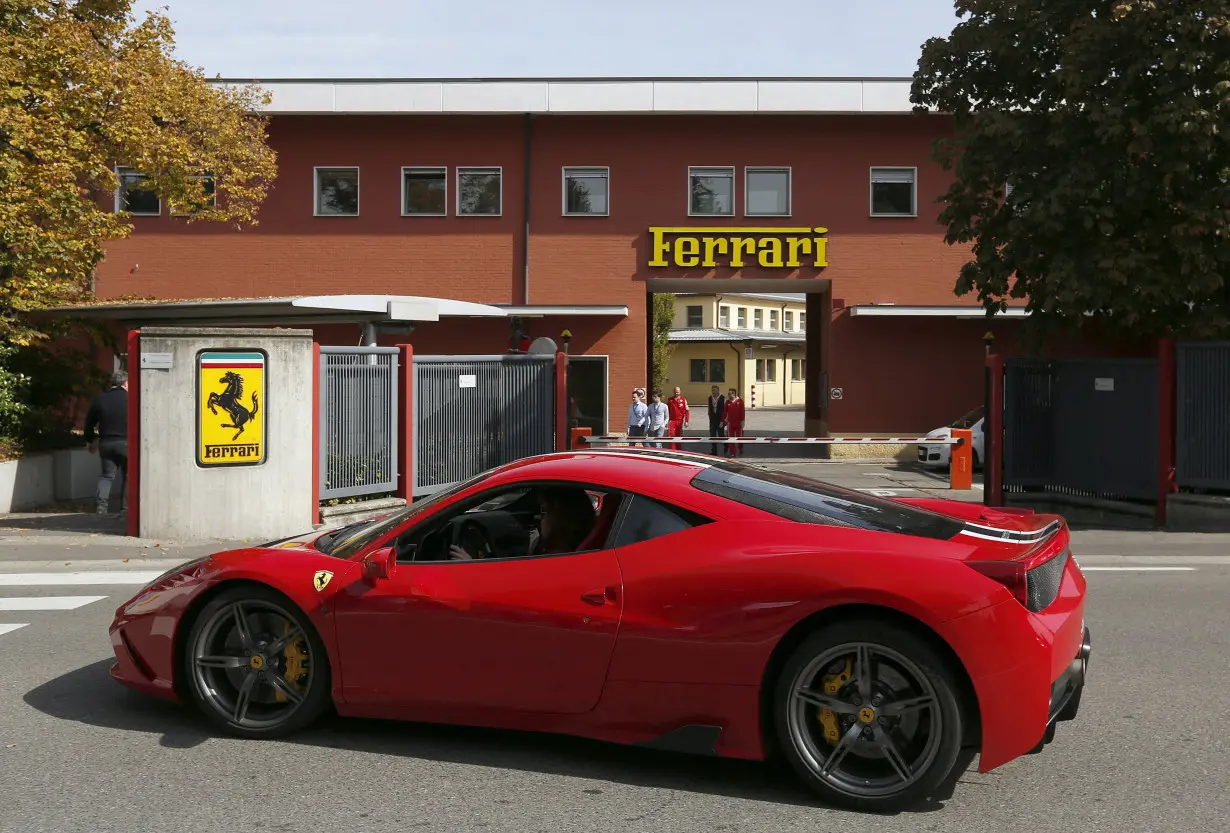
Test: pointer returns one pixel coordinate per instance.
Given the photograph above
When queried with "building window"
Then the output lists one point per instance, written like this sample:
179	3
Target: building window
798	368
802	321
478	192
789	325
766	192
711	192
587	192
717	370
772	319
758	319
893	192
766	370
741	318
424	192
695	316
696	370
211	198
724	317
142	202
337	192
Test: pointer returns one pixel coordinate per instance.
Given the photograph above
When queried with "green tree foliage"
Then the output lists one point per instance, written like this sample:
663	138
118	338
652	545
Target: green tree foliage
86	88
1111	123
663	318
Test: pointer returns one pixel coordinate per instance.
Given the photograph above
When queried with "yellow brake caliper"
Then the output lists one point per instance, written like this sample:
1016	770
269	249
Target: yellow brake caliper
832	684
295	657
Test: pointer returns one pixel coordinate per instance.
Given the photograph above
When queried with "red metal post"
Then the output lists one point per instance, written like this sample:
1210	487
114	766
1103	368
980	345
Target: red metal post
133	486
405	424
1167	389
994	485
561	401
315	433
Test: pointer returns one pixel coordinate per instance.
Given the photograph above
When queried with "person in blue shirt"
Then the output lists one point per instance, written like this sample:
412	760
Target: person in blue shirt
638	416
659	418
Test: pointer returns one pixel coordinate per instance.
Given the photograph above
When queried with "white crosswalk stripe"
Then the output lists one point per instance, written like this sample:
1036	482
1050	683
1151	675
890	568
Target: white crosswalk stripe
141	577
47	602
17	592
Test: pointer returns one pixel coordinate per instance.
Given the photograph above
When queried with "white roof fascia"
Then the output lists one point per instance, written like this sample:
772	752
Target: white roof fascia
627	96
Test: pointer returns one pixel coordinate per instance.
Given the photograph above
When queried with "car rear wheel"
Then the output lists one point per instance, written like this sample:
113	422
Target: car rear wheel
867	713
255	666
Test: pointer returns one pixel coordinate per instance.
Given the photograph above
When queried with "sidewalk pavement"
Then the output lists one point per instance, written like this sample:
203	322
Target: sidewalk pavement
61	538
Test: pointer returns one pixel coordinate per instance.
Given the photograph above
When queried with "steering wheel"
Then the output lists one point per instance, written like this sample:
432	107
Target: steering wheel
462	531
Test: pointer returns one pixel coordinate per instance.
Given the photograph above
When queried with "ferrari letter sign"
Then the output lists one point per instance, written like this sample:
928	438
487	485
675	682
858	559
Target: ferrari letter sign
230	424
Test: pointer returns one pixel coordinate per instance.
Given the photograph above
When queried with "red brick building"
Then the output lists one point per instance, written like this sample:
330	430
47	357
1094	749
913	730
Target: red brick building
540	197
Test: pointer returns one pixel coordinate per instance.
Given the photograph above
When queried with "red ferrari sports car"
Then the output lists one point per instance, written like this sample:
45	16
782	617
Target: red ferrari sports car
668	599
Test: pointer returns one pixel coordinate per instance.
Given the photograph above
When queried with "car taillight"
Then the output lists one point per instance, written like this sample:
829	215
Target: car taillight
1010	574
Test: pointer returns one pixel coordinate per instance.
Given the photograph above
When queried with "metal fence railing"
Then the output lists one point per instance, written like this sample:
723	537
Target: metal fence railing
358	418
472	413
1082	426
1202	440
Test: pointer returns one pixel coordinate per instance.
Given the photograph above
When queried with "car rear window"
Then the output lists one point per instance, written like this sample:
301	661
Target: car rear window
807	500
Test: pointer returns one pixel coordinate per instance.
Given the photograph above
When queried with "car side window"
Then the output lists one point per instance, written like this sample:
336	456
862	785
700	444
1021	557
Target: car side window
647	519
510	522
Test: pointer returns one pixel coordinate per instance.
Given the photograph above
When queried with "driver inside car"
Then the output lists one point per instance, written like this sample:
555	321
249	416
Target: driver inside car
567	517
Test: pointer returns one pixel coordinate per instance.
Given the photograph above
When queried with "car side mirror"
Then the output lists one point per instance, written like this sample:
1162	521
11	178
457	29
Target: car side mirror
380	564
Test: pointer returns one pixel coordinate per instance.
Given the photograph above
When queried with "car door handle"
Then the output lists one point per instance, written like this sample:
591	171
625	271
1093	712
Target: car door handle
598	598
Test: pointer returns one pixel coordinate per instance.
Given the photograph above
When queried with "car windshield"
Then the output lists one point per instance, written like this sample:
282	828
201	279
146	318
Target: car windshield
969	419
348	540
808	500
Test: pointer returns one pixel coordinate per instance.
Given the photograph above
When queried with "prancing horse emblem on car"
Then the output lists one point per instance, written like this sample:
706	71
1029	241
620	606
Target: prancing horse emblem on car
321	580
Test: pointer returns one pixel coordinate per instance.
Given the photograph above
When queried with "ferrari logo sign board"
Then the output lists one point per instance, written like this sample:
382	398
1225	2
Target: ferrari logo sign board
321	580
230	425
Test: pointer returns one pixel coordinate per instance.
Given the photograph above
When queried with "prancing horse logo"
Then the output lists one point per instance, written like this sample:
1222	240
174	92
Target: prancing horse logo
228	401
321	580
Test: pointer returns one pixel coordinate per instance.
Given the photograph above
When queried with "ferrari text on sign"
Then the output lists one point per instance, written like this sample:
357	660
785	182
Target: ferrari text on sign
230	392
736	247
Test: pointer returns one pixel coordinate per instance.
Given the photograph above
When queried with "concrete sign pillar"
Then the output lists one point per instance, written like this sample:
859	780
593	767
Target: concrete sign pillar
226	436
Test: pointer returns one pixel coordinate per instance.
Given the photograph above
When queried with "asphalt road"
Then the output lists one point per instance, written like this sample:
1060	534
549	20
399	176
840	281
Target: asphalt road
79	753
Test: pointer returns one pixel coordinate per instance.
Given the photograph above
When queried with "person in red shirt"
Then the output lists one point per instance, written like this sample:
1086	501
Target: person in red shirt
679	415
734	422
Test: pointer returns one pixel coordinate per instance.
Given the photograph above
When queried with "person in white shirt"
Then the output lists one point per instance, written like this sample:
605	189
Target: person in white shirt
659	417
638	416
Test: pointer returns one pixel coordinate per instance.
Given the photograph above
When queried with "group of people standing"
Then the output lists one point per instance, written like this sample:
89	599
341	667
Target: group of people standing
668	419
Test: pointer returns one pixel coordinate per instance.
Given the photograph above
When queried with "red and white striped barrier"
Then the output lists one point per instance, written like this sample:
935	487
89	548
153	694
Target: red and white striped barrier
782	440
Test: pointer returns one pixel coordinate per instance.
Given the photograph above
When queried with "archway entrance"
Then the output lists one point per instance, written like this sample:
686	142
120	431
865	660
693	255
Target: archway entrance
819	305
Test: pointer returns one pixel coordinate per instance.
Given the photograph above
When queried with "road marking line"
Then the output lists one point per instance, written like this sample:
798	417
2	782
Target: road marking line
94	577
1139	569
10	628
47	602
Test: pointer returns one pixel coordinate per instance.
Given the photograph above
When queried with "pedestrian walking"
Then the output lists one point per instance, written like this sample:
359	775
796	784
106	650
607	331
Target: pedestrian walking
717	415
106	432
680	416
638	416
659	418
734	418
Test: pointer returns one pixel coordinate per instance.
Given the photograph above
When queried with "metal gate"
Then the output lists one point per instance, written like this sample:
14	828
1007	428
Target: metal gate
472	413
1081	426
358	419
1202	442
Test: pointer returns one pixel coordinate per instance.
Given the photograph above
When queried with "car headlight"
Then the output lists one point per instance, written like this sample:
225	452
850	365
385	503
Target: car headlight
187	565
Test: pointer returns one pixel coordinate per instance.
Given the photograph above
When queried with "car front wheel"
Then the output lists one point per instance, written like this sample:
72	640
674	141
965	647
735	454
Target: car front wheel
254	664
867	714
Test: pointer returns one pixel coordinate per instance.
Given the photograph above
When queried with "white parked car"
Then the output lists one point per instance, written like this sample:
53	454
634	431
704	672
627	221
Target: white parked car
940	456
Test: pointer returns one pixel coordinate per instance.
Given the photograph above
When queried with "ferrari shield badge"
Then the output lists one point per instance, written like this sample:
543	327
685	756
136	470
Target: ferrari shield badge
321	580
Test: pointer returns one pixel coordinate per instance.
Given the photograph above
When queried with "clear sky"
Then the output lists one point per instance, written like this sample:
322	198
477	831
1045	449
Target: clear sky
568	38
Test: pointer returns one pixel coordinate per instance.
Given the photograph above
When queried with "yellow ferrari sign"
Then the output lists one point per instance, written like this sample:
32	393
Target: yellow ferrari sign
321	580
230	422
